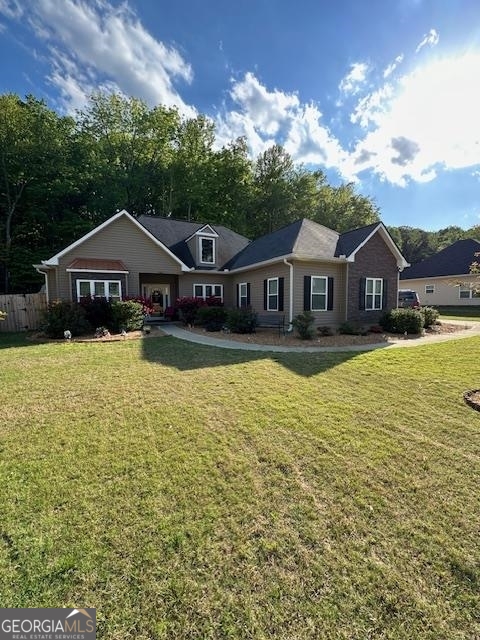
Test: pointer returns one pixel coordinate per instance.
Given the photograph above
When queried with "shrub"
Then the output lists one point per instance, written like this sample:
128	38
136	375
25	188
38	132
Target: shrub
241	320
429	315
212	318
65	316
188	308
128	315
145	302
98	311
404	320
303	323
348	329
376	328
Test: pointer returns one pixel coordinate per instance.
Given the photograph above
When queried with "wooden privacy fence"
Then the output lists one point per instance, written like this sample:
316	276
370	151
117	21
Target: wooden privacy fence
24	311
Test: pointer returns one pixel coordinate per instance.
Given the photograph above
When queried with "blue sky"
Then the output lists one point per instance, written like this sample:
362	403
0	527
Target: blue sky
383	93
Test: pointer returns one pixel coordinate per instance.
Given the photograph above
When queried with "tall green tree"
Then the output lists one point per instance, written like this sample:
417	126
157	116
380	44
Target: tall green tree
34	143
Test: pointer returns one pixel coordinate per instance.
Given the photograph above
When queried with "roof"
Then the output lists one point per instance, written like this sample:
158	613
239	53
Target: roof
308	239
454	260
97	264
175	233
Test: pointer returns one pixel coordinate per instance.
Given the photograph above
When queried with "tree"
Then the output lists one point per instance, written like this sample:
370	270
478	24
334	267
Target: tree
32	163
342	209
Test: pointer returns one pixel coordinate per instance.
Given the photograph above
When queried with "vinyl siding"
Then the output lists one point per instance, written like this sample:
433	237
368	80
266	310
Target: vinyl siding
120	240
446	293
330	270
188	280
256	278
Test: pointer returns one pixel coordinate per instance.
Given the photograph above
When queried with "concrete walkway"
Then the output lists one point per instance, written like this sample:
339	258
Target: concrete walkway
471	329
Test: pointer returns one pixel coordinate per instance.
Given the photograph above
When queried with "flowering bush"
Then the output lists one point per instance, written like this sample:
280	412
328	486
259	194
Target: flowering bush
145	302
188	308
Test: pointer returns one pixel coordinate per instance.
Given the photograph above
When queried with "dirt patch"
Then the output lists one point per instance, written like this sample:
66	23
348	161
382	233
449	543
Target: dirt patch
112	337
272	337
472	398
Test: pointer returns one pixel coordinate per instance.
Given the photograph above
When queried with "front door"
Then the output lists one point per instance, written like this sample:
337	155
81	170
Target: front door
159	294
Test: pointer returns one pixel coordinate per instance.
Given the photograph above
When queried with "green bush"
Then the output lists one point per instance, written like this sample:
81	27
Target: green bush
128	315
241	320
404	320
303	323
348	329
65	316
429	315
325	331
98	312
212	318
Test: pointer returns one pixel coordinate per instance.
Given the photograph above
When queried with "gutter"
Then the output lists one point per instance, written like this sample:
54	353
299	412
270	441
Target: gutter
290	296
44	273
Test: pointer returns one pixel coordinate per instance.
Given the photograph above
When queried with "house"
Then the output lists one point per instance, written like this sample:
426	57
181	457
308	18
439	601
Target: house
351	276
445	278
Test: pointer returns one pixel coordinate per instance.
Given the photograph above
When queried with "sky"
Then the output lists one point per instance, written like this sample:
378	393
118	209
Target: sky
381	93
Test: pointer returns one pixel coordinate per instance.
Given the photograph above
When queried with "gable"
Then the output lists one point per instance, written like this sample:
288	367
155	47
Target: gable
117	238
352	242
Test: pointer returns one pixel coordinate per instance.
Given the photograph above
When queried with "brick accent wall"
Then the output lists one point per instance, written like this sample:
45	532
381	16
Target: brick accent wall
373	260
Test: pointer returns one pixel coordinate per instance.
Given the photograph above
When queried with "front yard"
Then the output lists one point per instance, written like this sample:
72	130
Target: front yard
192	492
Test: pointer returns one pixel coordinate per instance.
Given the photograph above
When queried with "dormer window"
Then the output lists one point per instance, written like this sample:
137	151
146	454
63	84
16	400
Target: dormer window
207	250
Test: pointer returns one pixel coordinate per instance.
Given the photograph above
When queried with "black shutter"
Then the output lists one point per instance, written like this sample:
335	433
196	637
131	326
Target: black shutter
330	294
248	294
361	294
307	284
385	294
238	295
280	293
265	295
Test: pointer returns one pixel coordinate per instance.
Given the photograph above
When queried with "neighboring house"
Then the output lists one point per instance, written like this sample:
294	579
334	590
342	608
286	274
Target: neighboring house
444	278
350	276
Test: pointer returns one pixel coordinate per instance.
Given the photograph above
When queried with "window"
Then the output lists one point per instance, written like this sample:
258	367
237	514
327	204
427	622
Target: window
373	294
208	291
108	289
207	250
429	288
319	289
243	294
466	293
272	294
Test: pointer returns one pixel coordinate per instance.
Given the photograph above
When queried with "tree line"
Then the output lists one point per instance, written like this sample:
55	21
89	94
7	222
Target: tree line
60	176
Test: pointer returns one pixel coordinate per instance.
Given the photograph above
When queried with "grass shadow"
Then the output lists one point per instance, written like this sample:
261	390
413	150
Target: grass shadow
185	356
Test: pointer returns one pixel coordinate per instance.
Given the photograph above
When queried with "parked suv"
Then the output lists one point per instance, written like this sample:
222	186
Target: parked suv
408	298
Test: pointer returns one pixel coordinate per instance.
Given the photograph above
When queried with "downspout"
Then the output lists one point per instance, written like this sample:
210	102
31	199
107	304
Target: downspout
346	290
44	273
290	296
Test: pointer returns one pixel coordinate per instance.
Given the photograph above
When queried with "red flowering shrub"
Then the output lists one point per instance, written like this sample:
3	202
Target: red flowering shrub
145	302
188	308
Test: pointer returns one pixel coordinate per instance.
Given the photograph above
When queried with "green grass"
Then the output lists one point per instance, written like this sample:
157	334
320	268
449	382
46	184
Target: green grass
460	313
192	492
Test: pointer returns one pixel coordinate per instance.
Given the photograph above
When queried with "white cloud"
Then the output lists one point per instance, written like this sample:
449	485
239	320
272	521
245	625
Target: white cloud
352	83
11	9
265	117
392	66
431	38
94	45
430	121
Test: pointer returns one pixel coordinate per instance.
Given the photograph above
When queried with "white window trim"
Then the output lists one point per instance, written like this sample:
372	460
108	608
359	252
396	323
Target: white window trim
471	293
373	294
277	295
204	286
242	296
429	292
325	279
106	283
200	252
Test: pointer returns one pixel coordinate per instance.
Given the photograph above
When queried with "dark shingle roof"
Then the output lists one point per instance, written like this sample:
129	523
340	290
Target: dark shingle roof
350	240
302	238
174	233
454	260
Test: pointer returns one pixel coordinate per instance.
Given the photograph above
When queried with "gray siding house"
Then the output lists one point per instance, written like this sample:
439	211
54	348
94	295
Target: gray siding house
303	266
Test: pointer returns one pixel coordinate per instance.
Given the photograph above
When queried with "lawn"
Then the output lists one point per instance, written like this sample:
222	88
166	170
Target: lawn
192	492
460	313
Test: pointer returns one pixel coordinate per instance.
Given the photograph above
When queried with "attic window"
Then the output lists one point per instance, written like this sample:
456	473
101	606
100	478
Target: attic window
207	250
